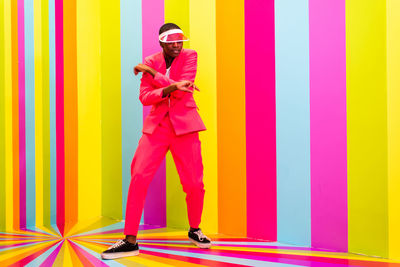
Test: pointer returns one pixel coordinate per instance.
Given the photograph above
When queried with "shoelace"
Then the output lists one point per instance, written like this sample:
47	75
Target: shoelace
118	244
200	234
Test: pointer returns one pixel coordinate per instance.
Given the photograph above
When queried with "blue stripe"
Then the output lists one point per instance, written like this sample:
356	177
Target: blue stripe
131	108
52	88
293	122
30	113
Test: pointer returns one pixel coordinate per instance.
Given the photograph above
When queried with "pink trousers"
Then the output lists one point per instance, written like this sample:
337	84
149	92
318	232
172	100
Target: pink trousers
152	148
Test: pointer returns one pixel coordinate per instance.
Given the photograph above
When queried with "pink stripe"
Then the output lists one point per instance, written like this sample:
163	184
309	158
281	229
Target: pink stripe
21	102
260	133
60	115
155	208
328	124
52	257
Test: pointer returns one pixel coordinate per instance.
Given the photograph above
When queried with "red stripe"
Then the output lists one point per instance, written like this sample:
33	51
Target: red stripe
60	116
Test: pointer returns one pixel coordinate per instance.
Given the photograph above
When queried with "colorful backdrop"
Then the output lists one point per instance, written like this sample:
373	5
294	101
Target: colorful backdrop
301	99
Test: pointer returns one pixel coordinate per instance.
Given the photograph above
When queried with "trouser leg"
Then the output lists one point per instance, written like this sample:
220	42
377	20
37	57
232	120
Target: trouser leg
186	151
148	157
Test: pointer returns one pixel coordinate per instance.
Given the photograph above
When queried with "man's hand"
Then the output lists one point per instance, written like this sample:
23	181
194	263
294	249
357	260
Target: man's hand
186	86
144	68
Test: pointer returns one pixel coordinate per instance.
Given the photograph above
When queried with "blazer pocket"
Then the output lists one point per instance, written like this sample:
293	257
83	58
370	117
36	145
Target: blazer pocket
191	105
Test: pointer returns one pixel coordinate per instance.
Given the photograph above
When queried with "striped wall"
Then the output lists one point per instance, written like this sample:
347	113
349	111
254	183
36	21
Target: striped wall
300	99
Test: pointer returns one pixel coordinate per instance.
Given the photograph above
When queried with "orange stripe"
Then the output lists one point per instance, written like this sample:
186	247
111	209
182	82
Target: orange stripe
74	257
231	121
15	113
70	114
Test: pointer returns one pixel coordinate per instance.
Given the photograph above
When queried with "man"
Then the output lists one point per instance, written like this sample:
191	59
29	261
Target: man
173	124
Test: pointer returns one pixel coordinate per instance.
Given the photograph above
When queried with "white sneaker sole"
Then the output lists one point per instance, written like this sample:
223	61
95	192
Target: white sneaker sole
200	245
111	256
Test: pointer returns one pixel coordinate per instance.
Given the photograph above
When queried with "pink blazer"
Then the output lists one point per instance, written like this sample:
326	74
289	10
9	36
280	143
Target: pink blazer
181	105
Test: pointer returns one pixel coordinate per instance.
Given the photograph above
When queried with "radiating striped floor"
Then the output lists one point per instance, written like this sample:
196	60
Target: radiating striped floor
160	247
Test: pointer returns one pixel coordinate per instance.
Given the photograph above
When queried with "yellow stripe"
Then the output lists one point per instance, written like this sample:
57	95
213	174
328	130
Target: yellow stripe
367	127
8	120
111	109
203	40
176	11
89	125
393	87
38	110
68	252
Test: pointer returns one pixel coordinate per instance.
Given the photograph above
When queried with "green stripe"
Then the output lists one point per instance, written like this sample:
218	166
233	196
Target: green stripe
111	110
2	124
46	113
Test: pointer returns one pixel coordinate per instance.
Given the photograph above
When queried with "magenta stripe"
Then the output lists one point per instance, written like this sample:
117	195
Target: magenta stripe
60	115
328	124
260	134
52	257
91	258
155	208
21	102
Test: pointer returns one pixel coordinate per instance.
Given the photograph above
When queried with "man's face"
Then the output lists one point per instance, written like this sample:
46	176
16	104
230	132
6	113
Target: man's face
172	49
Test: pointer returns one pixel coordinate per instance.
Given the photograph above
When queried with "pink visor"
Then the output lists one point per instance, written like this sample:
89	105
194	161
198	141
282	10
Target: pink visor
172	36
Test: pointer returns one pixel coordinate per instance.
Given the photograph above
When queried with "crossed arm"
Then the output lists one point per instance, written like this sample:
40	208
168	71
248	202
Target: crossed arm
172	86
185	84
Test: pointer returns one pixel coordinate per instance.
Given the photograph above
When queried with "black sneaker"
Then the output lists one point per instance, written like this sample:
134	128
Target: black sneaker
199	239
120	249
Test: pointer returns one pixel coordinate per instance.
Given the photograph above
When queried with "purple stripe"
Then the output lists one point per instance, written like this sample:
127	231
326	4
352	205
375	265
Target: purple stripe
155	208
52	257
328	124
21	102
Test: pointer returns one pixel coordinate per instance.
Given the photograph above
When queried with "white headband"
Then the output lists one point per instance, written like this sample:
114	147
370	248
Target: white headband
163	36
169	32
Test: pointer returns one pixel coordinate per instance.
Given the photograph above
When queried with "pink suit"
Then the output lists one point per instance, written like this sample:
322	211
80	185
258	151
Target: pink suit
172	124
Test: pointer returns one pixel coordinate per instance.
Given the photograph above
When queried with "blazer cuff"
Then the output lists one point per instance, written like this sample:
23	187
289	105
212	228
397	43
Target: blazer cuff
162	79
